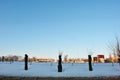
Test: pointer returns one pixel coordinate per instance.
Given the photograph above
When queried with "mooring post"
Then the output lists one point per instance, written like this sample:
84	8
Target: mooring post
60	64
26	62
90	63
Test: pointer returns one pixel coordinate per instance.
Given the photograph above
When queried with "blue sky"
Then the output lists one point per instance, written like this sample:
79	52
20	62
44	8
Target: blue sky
43	27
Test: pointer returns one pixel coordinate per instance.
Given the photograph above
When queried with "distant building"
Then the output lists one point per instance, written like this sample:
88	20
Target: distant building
101	58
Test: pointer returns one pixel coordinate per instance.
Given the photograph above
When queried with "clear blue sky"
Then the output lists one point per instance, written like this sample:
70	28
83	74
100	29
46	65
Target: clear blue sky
43	27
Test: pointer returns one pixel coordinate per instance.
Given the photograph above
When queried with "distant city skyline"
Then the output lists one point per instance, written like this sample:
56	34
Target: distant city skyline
41	28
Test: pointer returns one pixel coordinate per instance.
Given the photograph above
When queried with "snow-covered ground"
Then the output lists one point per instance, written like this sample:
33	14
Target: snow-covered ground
50	70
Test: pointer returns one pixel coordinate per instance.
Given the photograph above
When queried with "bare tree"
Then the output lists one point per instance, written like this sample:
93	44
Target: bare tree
66	58
111	59
115	51
118	49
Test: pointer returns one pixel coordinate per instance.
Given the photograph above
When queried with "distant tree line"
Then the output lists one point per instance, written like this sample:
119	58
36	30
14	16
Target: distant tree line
34	59
10	58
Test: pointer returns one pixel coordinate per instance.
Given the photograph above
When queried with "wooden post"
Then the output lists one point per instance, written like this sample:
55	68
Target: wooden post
26	62
60	64
89	62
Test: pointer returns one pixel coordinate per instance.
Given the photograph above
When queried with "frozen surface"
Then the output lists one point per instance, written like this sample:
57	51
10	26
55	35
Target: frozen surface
50	70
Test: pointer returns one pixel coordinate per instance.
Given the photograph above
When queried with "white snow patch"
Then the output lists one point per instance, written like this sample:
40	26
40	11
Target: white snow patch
69	70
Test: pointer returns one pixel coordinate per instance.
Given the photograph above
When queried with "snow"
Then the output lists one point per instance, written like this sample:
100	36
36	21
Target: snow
50	70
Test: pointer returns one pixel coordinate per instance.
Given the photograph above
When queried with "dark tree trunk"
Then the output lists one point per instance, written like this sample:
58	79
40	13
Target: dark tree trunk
60	64
3	58
90	63
26	62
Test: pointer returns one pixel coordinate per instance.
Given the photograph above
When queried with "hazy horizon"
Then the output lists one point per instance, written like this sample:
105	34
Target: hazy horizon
43	27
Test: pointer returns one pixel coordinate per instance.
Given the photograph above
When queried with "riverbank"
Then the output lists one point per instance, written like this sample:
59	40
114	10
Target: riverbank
58	78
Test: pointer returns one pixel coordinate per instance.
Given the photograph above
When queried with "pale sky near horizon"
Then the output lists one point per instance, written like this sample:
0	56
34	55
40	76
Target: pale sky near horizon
41	28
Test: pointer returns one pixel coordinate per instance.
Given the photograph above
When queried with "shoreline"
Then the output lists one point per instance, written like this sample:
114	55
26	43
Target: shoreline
59	78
